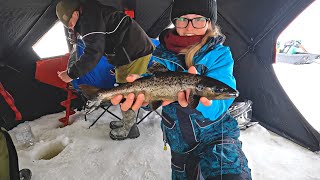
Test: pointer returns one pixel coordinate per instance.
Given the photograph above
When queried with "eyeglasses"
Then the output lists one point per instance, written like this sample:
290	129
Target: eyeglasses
197	23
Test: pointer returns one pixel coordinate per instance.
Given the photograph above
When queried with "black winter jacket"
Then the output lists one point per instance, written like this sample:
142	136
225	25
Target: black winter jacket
107	31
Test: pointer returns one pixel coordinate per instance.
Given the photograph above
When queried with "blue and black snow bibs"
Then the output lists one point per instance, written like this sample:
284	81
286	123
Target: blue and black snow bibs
203	141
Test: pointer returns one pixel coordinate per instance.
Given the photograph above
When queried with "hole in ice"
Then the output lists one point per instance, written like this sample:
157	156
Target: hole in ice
50	151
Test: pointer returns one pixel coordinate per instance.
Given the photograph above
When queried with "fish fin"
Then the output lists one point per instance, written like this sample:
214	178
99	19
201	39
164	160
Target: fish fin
154	105
92	106
193	101
156	67
90	92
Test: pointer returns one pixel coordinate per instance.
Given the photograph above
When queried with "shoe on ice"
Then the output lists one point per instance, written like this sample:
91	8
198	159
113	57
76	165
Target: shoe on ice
123	133
25	174
116	124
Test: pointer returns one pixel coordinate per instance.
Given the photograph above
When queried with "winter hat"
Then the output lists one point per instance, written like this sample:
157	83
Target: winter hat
65	9
206	8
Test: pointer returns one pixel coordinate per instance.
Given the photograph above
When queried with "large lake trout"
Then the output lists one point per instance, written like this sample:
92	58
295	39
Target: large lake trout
164	86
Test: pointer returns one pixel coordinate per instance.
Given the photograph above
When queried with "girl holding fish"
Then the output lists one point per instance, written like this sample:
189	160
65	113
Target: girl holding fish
203	141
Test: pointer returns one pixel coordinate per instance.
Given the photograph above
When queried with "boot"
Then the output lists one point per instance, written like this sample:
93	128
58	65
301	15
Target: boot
119	124
116	124
129	128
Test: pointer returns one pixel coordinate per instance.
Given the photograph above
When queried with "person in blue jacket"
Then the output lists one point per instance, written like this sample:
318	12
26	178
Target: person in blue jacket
203	141
105	31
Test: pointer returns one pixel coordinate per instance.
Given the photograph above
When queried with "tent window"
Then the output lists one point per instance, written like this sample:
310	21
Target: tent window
302	34
297	64
53	43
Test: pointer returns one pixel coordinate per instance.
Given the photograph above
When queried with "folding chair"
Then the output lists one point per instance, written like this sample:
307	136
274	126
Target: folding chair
106	109
138	122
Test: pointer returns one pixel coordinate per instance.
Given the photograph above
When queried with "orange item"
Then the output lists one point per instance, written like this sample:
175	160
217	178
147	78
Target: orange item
129	13
46	72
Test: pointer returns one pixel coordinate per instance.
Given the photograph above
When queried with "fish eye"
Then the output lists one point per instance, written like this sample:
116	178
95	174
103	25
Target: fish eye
224	89
220	89
213	89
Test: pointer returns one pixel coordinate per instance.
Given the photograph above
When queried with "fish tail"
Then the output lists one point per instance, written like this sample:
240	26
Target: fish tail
90	92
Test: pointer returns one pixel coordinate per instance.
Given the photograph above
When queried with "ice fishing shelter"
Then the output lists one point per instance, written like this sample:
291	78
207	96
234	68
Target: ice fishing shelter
251	27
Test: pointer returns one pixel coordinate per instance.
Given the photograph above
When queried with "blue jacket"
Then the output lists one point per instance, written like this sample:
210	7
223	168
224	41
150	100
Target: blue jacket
213	60
101	75
207	132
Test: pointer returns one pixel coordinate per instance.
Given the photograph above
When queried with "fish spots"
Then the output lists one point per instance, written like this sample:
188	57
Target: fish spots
199	87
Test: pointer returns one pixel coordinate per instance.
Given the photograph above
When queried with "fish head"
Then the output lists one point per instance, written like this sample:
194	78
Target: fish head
214	89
